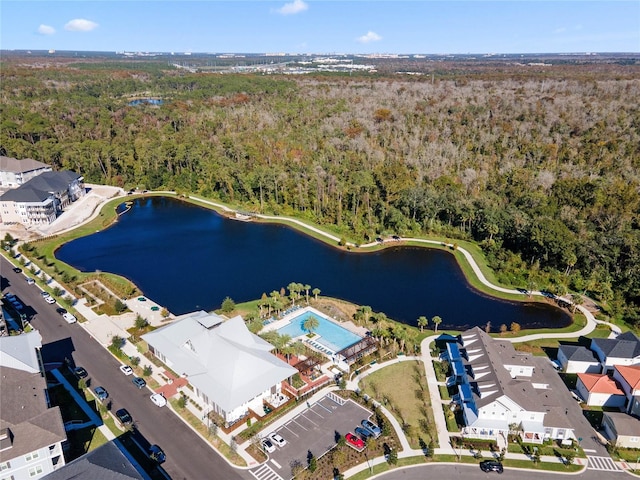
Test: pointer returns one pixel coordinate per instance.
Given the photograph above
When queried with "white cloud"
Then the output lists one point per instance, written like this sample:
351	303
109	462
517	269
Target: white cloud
46	30
80	25
294	7
560	30
369	37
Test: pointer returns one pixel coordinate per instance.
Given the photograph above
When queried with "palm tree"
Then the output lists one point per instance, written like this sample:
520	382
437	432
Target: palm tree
401	335
422	322
281	342
306	287
436	321
316	291
577	299
292	287
310	324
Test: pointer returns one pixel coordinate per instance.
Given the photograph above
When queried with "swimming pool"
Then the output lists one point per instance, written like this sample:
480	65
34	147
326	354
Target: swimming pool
332	336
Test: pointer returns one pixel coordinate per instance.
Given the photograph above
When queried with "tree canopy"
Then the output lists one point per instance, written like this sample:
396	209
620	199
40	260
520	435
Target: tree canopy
540	167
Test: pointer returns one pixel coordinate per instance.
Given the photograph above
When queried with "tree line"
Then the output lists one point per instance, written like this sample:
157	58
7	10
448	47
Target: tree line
542	170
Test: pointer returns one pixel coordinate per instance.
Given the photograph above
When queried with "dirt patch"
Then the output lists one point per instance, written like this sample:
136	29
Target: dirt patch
338	309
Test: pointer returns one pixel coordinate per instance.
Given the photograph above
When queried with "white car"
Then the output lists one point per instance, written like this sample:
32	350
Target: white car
50	300
126	369
69	318
277	439
158	399
268	445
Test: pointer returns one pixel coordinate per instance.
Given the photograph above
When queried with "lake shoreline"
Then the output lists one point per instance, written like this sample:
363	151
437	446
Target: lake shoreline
109	212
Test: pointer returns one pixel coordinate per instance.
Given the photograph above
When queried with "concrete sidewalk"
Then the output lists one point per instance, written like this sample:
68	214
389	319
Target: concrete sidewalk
82	403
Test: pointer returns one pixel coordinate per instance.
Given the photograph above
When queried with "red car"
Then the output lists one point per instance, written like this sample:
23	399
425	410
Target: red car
354	441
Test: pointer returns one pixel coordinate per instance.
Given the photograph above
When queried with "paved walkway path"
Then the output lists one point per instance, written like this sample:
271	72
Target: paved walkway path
82	403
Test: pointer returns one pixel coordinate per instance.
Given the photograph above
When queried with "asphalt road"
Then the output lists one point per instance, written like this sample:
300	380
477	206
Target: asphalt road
473	472
188	456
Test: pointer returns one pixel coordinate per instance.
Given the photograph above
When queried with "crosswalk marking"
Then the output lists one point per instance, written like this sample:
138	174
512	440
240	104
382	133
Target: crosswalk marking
264	472
602	463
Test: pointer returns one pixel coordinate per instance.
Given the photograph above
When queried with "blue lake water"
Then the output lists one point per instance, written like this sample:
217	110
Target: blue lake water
187	258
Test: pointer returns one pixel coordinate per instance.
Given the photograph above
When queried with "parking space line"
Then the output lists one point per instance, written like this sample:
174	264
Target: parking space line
300	425
320	404
291	431
313	411
276	463
311	421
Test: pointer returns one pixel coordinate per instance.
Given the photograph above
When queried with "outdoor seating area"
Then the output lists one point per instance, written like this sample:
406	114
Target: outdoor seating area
277	400
319	347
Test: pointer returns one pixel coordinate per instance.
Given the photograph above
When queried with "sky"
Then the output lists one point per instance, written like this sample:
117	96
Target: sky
323	26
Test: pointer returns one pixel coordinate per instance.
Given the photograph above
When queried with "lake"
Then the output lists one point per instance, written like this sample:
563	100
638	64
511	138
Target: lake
188	258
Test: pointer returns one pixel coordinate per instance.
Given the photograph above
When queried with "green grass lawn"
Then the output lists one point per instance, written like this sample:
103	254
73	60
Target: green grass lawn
402	389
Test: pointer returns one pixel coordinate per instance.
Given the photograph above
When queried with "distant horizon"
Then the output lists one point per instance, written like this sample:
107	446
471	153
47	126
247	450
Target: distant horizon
310	54
361	27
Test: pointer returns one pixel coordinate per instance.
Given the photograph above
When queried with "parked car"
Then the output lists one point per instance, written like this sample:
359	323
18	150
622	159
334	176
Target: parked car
126	369
124	417
156	453
50	300
158	399
268	445
354	441
139	382
30	281
61	310
491	466
364	433
17	269
45	294
80	372
372	427
69	318
101	393
277	439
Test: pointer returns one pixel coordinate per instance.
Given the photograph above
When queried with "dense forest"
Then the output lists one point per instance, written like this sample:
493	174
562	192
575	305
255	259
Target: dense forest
539	165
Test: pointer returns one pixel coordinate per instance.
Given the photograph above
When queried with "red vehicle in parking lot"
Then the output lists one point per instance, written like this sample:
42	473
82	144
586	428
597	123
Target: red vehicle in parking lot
354	441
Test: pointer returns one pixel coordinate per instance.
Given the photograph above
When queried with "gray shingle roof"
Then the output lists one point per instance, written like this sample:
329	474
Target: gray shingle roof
8	164
24	412
106	462
488	357
39	188
625	424
577	353
626	345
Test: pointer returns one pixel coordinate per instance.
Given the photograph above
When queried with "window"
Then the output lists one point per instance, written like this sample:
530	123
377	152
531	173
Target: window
37	470
8	478
634	439
4	466
31	456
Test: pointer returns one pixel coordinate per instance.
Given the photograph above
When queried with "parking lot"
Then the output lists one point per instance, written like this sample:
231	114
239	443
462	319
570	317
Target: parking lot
313	430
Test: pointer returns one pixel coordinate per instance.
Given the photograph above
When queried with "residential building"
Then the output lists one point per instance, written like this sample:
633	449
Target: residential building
621	429
629	378
230	369
501	390
31	433
107	462
622	350
14	173
578	359
600	390
41	199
